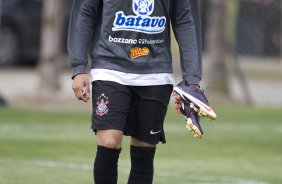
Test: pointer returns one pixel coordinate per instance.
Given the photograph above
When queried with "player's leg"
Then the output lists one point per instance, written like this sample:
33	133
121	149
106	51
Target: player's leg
109	138
142	162
139	143
145	126
111	104
106	162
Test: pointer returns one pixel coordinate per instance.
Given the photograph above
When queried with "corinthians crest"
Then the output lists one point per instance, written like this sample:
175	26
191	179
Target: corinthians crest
102	107
143	7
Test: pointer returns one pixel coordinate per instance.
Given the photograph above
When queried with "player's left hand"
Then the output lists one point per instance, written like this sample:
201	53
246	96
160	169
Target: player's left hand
177	102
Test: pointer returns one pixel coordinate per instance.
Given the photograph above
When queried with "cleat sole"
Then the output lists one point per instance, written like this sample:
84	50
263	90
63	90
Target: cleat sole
194	107
205	110
193	129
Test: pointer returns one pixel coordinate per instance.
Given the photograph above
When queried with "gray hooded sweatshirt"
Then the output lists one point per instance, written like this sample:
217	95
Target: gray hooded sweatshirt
133	36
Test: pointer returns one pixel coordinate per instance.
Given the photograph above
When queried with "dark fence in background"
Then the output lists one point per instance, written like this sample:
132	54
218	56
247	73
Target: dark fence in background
253	27
242	43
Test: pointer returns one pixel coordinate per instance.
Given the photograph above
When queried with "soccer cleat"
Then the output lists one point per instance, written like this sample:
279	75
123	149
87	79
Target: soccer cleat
192	119
196	97
193	125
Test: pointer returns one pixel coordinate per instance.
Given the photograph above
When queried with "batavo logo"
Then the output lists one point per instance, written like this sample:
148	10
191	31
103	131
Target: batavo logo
141	22
137	52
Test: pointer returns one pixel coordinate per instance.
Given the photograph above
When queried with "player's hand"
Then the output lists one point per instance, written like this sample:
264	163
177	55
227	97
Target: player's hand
81	87
177	102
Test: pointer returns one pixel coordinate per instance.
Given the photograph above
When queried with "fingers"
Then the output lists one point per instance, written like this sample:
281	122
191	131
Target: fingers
86	93
177	102
81	87
78	90
176	96
177	107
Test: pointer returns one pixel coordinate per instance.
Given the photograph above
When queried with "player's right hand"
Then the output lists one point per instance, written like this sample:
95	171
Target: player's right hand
81	87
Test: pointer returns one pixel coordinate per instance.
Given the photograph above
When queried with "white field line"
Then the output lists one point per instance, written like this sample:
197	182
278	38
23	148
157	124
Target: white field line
169	127
166	174
21	127
227	127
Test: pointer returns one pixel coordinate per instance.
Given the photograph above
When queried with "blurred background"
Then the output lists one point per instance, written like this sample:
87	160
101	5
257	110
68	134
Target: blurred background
43	128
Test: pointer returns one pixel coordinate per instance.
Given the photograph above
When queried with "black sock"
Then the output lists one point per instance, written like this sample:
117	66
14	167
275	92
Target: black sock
105	165
142	165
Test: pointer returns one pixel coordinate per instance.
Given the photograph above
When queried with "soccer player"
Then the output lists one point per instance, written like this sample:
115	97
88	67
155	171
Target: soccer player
131	75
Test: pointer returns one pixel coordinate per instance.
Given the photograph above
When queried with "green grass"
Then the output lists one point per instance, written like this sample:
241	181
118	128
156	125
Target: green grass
243	146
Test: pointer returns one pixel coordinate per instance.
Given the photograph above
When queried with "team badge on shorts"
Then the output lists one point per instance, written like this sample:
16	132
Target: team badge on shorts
102	108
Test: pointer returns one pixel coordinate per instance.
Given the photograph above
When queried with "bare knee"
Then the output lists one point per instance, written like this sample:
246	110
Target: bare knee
139	143
110	138
110	142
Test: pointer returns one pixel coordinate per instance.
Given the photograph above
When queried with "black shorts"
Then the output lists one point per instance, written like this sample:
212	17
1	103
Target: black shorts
138	111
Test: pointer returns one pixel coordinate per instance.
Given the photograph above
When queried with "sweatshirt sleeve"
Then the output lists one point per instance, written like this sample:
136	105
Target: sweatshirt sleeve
81	26
186	25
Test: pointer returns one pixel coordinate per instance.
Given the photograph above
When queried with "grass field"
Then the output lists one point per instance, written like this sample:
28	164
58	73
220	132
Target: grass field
244	146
